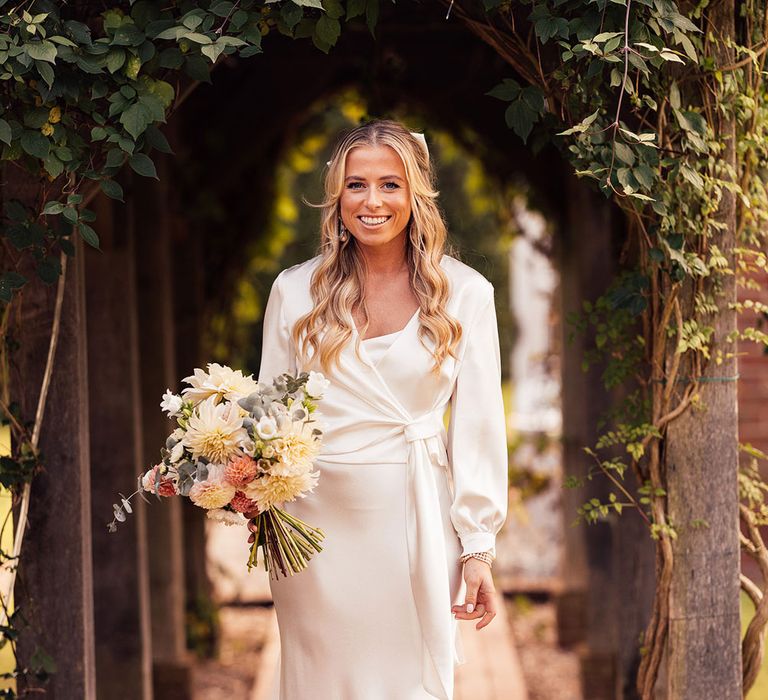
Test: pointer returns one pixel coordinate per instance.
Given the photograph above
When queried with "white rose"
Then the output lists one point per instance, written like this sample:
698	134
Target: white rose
171	403
316	385
266	428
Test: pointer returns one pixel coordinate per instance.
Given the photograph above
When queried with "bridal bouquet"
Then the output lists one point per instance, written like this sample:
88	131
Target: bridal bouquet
240	450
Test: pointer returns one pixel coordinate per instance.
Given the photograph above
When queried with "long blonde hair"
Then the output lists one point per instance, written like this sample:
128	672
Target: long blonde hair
338	283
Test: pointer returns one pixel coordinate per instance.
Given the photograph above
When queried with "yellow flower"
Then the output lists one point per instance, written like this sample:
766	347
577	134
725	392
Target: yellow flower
46	129
54	116
271	490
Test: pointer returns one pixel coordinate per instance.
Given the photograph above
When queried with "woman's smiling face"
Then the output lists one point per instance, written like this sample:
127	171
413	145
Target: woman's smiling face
376	200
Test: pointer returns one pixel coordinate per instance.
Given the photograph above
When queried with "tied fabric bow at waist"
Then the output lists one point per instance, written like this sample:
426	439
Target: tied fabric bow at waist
425	457
427	554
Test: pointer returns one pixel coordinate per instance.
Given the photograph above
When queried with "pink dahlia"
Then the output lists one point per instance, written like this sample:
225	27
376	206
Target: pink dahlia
241	503
240	470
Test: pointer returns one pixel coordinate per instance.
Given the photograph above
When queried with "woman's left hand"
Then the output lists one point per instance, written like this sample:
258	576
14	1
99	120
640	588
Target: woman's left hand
480	598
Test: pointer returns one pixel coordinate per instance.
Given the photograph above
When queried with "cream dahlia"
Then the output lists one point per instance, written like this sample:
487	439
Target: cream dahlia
271	490
296	449
219	381
215	432
214	492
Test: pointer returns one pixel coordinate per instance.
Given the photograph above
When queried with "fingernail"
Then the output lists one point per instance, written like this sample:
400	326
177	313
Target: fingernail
470	608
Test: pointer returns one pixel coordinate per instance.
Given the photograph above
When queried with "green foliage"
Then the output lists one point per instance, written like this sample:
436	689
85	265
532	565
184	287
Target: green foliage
86	94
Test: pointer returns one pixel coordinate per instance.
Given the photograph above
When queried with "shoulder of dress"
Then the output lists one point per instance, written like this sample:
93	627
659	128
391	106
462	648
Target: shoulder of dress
298	272
466	281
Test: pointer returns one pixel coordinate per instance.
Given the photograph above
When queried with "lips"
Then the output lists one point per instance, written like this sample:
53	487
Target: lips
374	220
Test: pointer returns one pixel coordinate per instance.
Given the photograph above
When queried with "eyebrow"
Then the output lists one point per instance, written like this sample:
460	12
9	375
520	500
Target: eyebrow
385	177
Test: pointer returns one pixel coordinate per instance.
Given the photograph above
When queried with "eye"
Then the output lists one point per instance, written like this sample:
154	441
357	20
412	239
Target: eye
394	186
354	185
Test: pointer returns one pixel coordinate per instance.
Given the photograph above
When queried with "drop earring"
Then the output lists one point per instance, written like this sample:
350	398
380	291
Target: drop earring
343	233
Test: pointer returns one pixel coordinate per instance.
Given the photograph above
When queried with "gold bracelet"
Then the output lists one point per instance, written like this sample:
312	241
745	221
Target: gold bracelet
487	557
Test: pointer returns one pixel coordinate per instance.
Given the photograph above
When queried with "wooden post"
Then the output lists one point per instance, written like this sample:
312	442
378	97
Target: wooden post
608	566
188	255
154	284
121	575
702	477
55	584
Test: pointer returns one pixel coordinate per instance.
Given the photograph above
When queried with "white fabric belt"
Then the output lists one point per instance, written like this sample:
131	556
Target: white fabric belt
427	551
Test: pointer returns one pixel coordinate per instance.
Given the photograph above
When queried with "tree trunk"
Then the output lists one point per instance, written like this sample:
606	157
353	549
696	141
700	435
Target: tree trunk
702	468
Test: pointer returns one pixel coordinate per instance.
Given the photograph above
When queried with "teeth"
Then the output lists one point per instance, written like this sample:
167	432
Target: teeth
373	221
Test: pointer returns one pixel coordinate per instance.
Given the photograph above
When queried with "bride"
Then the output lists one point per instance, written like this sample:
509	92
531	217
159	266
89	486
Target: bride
410	510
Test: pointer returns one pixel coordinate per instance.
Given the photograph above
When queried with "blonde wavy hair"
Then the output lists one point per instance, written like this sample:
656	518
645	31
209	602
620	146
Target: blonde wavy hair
338	283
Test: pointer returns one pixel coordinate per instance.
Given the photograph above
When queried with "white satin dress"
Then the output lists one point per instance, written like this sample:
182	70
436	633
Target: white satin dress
399	499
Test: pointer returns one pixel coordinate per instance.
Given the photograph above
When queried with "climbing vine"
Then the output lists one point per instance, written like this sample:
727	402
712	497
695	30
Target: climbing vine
642	97
667	114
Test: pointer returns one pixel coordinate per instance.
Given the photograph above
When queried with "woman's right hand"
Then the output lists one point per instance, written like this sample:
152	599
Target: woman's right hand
251	515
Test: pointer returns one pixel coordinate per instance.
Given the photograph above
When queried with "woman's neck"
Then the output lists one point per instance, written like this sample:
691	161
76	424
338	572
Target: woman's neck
385	260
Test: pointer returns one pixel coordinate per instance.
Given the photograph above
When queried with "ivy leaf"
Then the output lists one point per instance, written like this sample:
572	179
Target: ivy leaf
53	208
334	9
46	72
222	8
142	164
520	118
35	144
156	139
372	15
605	36
49	270
328	29
582	126
89	235
115	60
41	51
507	90
355	8
53	166
624	153
135	119
5	132
112	189
291	14
669	55
115	158
309	3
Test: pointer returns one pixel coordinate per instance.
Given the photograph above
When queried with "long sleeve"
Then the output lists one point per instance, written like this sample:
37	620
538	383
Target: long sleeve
477	443
277	354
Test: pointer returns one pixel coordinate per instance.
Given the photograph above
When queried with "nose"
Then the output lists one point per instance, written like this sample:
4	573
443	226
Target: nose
373	200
